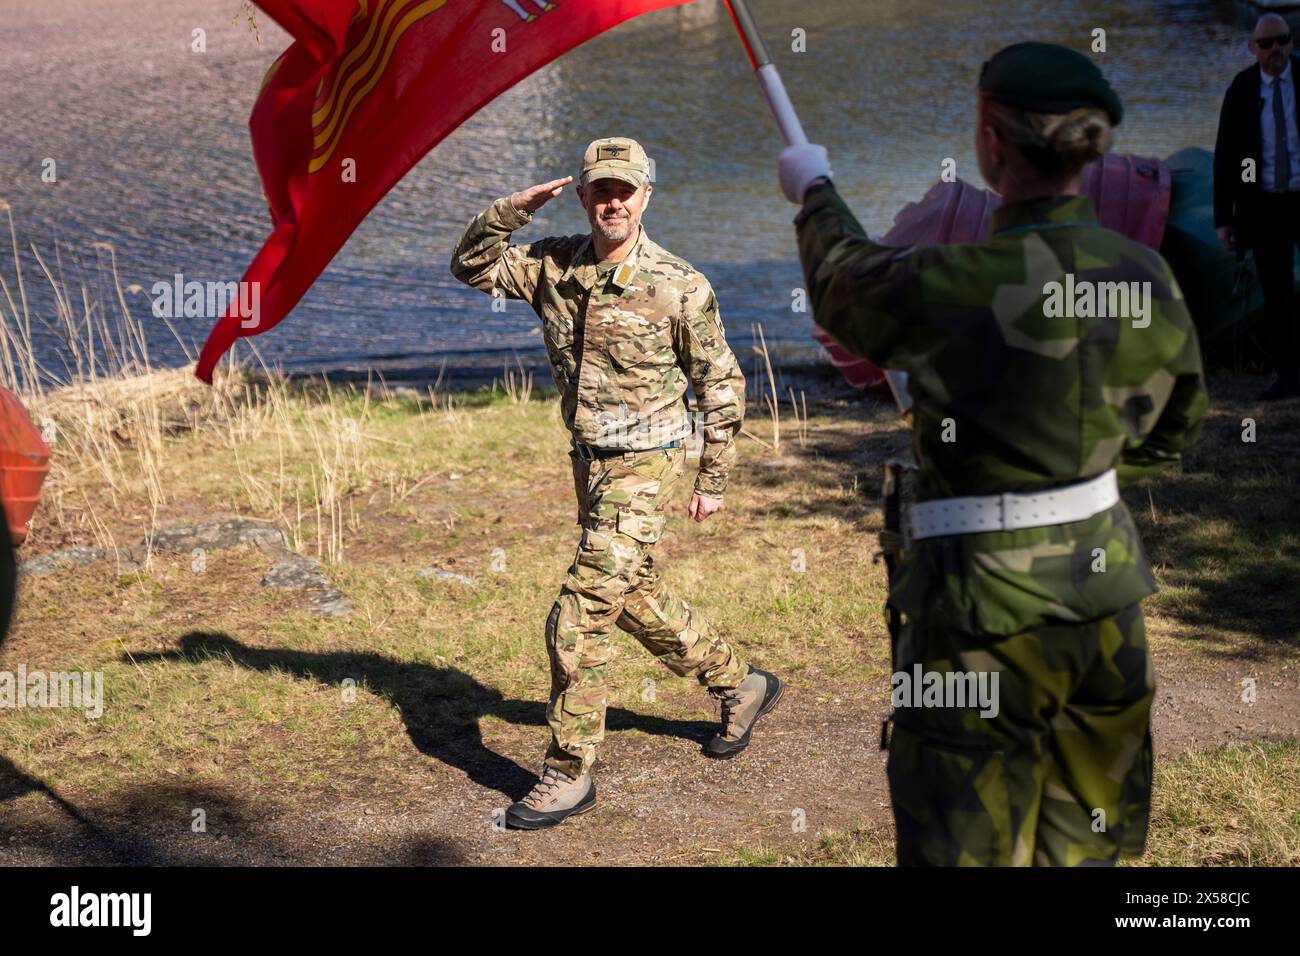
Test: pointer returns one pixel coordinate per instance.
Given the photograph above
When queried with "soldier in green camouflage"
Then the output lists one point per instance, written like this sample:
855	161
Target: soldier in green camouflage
627	327
1038	390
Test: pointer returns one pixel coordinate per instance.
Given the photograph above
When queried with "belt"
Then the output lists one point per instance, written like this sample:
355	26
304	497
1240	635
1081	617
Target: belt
588	453
1011	511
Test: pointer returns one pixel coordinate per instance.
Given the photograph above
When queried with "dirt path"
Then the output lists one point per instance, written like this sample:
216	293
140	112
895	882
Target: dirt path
452	726
660	801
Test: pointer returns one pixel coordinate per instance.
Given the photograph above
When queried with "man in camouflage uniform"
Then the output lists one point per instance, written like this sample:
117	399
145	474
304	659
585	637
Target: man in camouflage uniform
1012	396
627	325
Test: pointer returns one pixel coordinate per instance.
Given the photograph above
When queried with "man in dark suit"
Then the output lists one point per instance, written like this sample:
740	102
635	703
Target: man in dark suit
1257	185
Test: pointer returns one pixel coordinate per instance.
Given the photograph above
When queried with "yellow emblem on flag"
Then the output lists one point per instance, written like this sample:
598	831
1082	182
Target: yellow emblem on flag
361	69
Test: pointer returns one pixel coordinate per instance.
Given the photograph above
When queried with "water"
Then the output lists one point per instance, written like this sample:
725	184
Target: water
153	155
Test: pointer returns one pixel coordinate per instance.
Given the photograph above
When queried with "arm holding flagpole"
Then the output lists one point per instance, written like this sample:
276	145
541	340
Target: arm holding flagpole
805	161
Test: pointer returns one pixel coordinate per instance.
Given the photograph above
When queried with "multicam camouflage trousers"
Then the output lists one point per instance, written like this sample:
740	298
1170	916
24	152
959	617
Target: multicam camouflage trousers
1061	776
614	581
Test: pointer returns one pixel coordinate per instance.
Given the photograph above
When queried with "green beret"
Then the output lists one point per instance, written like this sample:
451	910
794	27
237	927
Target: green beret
1047	78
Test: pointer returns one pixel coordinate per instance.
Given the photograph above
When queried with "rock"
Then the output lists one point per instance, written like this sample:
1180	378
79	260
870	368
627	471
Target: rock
446	576
221	533
295	571
290	570
47	563
332	603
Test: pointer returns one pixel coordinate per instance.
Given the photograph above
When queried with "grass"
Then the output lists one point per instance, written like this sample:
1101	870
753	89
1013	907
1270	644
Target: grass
872	846
1229	806
510	494
212	680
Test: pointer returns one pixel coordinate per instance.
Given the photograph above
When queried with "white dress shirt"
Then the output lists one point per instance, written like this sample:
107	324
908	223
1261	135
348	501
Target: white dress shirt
1268	158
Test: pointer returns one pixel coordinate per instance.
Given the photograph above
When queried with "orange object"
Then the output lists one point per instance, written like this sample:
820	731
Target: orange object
24	463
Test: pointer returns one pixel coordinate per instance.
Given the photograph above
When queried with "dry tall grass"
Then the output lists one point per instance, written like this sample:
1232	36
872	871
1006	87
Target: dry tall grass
109	414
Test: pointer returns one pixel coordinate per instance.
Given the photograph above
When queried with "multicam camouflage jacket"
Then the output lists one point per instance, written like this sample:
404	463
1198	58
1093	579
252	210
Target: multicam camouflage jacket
623	338
1018	389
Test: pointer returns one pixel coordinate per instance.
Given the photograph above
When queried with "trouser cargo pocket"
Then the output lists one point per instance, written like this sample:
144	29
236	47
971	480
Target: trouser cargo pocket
644	528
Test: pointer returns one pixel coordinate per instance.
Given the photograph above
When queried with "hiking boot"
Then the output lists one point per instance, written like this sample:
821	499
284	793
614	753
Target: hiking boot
742	705
553	798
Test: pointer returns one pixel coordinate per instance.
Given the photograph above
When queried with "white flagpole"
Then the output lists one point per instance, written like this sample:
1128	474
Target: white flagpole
769	80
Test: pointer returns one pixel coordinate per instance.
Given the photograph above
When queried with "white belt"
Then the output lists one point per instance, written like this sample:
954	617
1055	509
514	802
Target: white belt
1008	512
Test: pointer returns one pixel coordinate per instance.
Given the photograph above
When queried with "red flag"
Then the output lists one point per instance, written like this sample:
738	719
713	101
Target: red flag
367	88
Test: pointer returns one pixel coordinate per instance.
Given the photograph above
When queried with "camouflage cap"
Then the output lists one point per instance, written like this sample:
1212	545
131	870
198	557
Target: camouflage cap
616	157
1048	78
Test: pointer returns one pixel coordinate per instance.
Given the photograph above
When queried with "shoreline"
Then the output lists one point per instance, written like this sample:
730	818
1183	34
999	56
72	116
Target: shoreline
818	380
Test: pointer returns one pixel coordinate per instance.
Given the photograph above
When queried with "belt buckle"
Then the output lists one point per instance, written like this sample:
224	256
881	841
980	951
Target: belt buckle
1004	510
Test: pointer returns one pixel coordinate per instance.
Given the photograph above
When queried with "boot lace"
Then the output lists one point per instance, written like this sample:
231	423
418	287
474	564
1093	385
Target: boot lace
550	781
728	700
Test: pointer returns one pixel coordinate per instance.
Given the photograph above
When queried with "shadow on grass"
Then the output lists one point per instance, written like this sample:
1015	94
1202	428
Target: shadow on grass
152	826
440	706
1245	583
842	455
1225	532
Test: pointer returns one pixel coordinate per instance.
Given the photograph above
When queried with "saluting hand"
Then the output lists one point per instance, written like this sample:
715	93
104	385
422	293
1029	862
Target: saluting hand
535	197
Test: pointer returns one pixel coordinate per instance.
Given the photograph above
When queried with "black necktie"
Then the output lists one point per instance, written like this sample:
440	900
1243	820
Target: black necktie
1282	155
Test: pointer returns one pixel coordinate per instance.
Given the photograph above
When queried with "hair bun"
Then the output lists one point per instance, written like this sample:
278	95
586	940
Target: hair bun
1079	136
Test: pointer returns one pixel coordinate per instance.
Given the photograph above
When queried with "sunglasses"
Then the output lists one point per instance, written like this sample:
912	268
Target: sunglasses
1266	43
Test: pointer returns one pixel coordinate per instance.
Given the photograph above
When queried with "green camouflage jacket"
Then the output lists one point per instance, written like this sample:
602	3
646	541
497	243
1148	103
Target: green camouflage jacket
623	338
1020	383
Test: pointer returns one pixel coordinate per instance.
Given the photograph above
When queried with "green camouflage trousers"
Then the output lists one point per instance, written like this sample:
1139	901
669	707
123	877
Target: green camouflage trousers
615	581
1061	776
